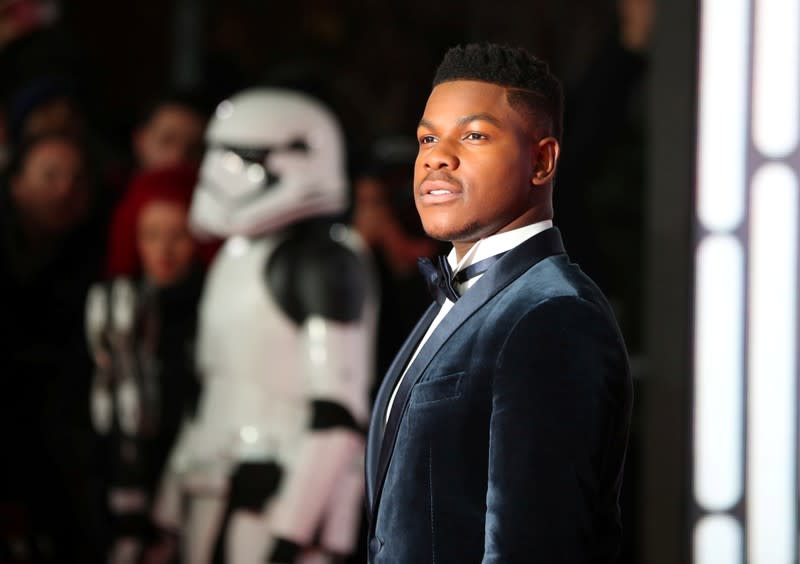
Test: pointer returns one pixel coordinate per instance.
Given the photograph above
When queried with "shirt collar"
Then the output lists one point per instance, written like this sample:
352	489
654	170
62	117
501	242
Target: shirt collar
496	244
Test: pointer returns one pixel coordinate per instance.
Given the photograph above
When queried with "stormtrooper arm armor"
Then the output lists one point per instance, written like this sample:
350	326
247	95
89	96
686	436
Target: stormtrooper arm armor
326	289
333	444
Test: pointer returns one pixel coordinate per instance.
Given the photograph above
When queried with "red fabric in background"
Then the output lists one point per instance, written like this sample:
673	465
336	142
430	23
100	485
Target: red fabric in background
170	184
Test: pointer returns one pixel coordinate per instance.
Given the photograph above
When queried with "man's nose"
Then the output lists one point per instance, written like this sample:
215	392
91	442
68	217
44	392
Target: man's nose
441	156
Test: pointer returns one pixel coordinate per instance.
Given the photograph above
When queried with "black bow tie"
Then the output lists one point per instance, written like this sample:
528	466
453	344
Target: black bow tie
440	279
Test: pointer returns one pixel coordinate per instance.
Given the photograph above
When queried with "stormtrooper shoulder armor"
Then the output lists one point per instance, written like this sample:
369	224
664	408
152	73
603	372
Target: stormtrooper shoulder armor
312	273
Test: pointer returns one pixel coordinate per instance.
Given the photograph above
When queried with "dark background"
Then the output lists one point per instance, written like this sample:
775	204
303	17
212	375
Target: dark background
378	57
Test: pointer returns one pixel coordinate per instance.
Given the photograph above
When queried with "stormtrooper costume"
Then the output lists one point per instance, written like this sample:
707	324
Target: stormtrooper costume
270	469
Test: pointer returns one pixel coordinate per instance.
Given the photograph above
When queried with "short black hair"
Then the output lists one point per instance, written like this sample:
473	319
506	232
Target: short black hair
532	88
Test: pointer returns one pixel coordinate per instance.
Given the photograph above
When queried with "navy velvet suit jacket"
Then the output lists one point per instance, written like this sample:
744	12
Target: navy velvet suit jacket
512	440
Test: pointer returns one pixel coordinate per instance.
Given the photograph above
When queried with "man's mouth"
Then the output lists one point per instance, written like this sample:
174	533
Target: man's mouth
438	191
438	187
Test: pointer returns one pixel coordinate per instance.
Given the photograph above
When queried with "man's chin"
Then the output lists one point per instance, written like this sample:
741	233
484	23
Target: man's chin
450	233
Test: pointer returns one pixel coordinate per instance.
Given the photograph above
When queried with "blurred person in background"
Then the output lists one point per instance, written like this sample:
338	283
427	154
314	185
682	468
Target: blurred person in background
50	250
54	102
50	102
170	133
601	177
141	328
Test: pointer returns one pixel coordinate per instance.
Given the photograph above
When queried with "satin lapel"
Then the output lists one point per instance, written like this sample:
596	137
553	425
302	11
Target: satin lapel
505	271
378	418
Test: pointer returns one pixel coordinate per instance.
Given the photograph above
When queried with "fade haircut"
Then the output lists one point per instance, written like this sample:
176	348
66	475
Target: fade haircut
532	89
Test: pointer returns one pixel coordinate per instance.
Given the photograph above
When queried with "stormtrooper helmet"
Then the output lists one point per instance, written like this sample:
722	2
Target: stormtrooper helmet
274	157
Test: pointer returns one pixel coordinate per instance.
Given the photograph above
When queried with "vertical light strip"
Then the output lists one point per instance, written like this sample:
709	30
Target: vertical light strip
776	53
718	378
718	540
771	493
723	113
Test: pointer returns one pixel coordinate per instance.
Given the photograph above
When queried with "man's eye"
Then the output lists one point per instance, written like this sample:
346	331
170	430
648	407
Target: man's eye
425	139
475	136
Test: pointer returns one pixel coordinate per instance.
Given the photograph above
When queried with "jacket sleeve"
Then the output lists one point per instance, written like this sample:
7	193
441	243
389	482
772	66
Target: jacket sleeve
558	430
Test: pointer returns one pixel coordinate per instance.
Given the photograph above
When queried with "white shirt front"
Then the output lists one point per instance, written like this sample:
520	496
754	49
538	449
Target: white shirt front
482	249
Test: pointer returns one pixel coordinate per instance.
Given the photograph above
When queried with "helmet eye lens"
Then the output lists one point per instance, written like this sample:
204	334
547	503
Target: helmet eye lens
298	145
251	155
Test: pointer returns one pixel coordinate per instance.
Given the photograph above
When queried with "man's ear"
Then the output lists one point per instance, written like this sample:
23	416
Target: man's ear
545	159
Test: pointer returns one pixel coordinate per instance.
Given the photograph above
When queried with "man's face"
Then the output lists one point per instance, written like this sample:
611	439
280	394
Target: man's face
173	136
477	158
52	189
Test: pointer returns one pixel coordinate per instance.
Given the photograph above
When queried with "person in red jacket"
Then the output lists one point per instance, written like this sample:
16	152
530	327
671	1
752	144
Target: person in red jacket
141	327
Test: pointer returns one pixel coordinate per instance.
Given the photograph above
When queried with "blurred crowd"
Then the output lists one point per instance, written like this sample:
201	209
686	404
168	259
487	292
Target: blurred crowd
72	215
78	213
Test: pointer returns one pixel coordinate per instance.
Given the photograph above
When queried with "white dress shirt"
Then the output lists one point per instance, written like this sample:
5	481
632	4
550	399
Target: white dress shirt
482	249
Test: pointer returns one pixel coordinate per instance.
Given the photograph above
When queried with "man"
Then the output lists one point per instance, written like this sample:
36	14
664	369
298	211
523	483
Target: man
170	133
499	433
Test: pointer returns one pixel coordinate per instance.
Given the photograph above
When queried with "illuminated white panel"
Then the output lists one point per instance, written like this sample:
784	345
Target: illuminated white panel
718	540
723	113
771	495
776	58
718	426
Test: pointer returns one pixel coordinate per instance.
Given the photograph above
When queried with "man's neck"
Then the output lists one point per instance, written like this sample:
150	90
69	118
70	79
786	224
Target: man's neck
462	248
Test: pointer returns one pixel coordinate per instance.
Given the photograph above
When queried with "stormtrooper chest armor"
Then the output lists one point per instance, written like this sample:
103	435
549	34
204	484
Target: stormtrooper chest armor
249	357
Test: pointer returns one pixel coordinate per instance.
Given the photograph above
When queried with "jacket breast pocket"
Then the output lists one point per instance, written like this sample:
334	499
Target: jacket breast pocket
442	388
